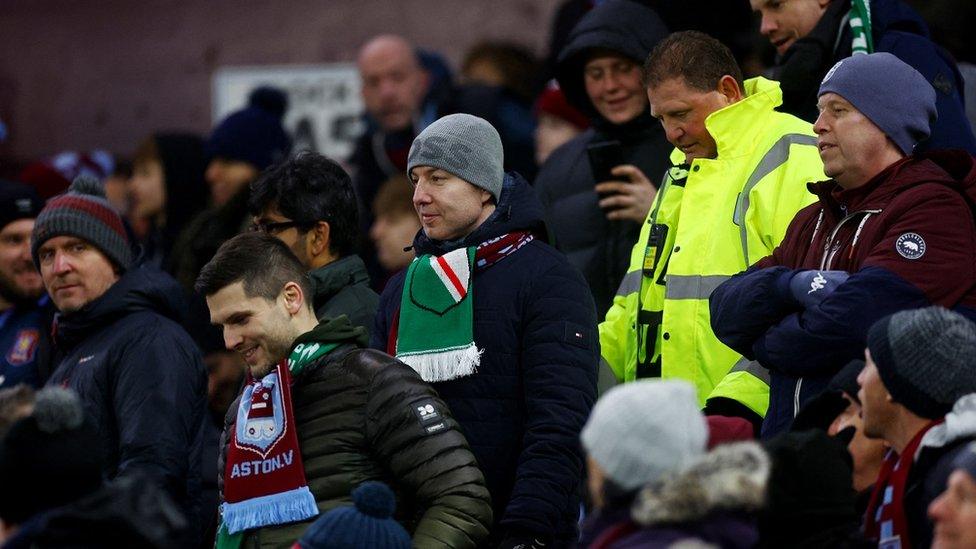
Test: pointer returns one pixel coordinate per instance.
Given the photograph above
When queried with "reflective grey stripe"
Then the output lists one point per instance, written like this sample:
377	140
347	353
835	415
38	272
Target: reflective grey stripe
775	157
751	367
692	286
605	379
630	284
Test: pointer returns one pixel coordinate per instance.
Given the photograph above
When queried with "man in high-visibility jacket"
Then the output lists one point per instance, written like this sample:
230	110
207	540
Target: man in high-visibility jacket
739	176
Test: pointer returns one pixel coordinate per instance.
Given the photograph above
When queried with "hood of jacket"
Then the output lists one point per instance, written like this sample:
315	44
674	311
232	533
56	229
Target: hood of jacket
334	330
960	423
622	26
518	209
730	478
953	168
139	289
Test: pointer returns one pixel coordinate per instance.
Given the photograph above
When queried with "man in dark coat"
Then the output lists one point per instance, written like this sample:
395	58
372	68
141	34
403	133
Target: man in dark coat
917	395
810	36
308	203
600	73
26	312
359	414
501	324
891	231
138	373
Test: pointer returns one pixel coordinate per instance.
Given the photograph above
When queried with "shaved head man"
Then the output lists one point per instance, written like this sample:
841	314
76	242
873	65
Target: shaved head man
394	82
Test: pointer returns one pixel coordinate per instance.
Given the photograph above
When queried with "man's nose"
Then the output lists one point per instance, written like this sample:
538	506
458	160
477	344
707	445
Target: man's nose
231	339
768	25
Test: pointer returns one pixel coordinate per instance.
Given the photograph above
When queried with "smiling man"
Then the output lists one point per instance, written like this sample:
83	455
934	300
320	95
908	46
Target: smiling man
890	230
500	324
25	311
136	370
319	414
738	179
596	221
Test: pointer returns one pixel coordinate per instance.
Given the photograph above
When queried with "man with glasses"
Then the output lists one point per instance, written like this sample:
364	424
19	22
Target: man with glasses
308	203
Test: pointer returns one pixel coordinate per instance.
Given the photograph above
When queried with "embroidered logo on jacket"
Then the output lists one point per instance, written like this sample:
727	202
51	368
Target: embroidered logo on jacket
25	344
910	246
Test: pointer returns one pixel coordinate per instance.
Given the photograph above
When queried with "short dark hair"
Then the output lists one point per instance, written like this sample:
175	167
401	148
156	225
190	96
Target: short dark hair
695	56
262	262
310	188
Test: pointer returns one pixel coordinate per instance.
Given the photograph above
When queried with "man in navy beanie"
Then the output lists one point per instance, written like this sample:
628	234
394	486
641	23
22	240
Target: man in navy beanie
892	230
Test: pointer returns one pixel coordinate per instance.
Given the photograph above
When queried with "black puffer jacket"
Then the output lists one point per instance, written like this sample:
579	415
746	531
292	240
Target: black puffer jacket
523	410
141	380
596	246
356	413
342	288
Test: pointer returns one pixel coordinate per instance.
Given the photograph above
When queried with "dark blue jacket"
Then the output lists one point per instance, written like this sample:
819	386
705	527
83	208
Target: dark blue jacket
26	353
142	381
523	410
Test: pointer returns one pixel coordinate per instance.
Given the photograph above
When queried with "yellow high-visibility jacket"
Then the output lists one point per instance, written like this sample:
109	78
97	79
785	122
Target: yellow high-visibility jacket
710	220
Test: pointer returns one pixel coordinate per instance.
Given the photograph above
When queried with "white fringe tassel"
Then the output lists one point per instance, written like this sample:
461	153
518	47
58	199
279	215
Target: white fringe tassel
445	365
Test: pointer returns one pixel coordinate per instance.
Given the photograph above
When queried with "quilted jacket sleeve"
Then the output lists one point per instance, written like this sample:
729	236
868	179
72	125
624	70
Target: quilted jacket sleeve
415	436
560	355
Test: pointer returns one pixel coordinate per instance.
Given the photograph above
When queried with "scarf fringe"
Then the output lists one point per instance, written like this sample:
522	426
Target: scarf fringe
291	506
445	365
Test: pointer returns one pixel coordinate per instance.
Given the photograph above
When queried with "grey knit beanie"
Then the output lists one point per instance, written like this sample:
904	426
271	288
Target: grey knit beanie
892	94
464	145
84	212
639	431
925	358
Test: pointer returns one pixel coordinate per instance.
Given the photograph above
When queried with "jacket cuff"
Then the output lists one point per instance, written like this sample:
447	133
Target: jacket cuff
781	288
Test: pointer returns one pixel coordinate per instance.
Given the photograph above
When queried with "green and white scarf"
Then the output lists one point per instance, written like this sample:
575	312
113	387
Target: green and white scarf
859	19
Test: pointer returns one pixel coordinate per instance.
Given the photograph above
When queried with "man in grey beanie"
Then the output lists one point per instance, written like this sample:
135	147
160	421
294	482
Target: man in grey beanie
501	325
918	394
892	230
122	348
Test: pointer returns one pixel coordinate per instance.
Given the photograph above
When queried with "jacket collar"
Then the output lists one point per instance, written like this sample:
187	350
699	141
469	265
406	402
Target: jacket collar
329	280
959	423
737	127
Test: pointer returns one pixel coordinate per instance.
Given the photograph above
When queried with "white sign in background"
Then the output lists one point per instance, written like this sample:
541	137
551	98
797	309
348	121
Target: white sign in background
324	103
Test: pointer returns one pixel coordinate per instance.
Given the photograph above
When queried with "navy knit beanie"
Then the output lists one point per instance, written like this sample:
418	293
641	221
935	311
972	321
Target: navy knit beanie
18	201
84	212
368	525
925	358
254	134
892	94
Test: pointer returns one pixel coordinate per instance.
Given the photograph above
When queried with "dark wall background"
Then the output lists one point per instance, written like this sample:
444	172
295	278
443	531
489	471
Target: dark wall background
90	74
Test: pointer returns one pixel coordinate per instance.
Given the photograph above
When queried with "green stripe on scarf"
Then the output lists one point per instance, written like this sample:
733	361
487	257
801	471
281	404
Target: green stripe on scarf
435	335
862	40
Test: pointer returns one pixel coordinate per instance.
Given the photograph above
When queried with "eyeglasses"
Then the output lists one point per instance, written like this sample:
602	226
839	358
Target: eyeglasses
277	227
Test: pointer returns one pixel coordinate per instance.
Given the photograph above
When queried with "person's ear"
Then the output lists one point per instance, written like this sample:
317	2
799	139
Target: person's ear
486	197
293	297
317	240
728	87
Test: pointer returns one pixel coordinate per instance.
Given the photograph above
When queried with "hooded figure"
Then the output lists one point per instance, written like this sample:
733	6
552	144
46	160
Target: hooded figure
599	247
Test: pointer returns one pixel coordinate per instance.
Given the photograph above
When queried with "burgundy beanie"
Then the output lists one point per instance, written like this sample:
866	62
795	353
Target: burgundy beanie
84	212
552	101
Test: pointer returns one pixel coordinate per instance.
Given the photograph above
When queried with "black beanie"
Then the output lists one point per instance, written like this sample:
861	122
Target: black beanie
254	134
18	201
925	358
49	458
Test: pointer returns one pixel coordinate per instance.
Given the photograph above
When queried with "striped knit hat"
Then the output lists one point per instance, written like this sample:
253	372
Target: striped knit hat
84	212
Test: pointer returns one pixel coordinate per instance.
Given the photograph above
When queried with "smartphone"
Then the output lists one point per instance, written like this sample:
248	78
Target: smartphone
605	156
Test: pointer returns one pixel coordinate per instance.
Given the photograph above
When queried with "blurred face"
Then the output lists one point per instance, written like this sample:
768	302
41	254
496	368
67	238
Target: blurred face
260	330
227	178
954	513
448	206
392	233
594	481
867	453
682	111
786	21
876	404
393	82
551	133
19	279
147	189
75	273
852	148
614	86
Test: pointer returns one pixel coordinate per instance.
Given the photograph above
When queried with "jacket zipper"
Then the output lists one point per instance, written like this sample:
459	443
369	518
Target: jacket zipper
828	254
796	397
